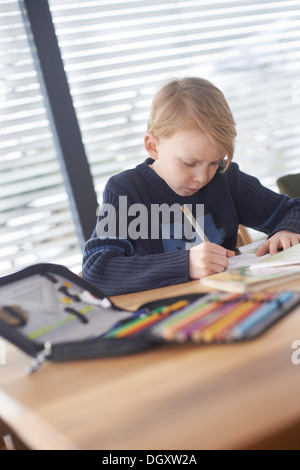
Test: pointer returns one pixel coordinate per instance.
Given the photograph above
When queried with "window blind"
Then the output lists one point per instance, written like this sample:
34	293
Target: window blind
116	52
36	224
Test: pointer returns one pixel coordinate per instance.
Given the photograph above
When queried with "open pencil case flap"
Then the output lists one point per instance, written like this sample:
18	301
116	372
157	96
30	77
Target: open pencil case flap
52	314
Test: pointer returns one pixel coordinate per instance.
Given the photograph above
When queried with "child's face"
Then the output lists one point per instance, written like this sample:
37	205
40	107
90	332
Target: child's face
187	161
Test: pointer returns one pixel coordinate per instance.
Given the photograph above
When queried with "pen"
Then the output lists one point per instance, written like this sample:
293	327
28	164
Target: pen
194	223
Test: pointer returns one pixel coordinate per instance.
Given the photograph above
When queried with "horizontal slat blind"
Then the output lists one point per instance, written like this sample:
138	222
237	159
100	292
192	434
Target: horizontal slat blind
35	220
115	52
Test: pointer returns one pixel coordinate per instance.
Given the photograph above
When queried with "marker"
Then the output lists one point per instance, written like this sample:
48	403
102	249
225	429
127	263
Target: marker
88	298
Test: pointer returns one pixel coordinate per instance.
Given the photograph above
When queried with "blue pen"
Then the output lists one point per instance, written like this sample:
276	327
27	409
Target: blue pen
264	315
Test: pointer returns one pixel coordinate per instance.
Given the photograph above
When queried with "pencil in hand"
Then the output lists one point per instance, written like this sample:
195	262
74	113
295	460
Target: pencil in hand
194	223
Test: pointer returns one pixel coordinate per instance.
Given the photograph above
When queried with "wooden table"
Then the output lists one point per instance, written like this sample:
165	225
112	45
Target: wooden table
172	397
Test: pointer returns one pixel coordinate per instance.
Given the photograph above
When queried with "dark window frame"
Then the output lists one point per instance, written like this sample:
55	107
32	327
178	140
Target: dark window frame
62	116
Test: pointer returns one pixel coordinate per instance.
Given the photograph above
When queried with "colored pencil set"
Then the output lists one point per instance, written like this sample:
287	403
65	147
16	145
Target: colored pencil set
143	320
215	317
227	317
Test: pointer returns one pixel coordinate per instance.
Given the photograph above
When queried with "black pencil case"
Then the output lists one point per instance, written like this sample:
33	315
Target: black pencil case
50	313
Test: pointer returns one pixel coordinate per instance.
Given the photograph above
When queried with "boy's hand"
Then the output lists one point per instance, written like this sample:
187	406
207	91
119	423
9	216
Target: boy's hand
208	258
283	239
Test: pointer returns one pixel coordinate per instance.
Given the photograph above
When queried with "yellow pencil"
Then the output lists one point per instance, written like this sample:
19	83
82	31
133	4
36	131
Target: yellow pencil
194	223
224	332
143	322
140	324
237	312
170	331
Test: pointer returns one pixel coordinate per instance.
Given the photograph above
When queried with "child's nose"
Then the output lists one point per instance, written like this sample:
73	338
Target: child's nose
202	177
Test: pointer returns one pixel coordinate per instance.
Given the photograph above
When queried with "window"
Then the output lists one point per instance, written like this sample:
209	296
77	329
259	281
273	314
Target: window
36	224
115	52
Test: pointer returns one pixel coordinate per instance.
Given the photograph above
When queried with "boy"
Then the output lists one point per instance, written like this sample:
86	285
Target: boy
190	142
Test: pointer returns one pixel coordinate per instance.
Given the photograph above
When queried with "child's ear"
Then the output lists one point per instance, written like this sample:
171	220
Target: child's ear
151	145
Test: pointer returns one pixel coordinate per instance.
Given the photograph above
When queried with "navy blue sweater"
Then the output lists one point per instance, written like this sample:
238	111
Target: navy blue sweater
119	263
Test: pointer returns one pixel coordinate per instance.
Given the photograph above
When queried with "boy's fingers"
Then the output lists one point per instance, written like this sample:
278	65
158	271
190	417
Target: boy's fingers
220	250
276	244
221	262
216	267
263	249
230	253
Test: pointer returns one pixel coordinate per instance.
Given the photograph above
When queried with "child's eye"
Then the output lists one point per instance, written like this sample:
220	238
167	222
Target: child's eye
188	164
219	162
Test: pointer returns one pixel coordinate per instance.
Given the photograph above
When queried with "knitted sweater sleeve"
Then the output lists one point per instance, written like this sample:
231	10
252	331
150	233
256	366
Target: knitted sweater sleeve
112	265
263	209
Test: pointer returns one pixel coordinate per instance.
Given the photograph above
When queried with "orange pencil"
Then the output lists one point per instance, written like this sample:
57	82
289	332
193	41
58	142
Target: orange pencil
140	325
257	300
248	310
170	331
202	323
147	321
236	314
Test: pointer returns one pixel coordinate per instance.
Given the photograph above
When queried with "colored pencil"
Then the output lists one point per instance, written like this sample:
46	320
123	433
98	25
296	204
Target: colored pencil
194	223
137	324
191	317
170	331
262	314
186	332
242	307
190	308
236	314
224	333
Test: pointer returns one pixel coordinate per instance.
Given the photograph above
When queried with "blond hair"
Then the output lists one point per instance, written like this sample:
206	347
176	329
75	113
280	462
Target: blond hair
190	103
